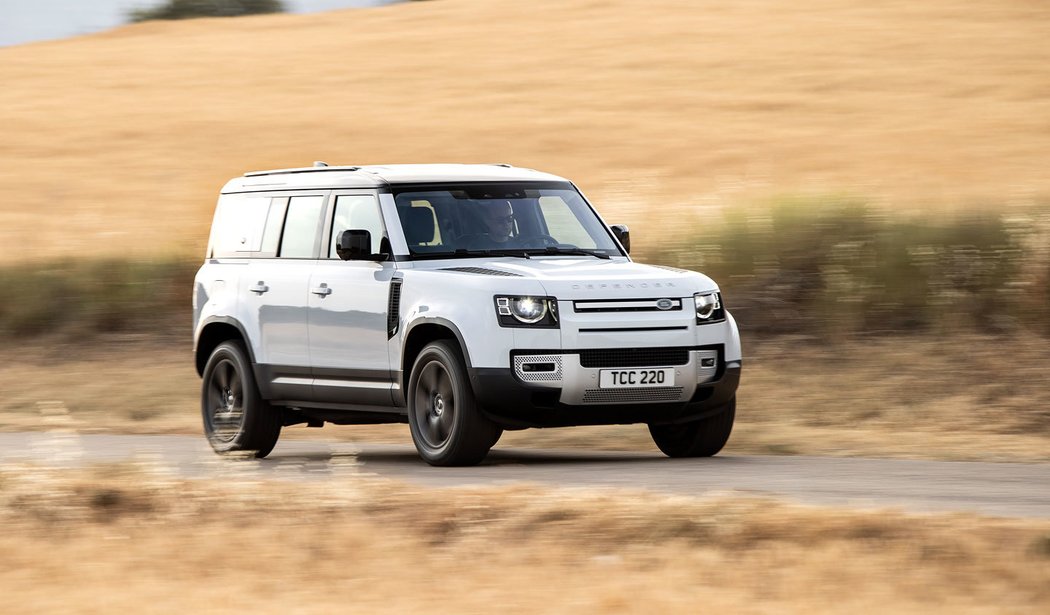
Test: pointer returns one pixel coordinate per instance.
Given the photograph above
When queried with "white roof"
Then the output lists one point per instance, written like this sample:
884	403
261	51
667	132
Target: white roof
332	177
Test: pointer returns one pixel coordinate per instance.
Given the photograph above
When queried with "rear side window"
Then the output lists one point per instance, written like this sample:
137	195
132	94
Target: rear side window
354	211
239	225
302	227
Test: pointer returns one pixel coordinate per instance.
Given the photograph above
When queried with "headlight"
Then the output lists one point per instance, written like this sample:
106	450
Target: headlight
527	311
708	307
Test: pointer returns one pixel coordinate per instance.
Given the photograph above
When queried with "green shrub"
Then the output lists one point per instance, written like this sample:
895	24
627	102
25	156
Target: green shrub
820	268
88	297
834	267
188	9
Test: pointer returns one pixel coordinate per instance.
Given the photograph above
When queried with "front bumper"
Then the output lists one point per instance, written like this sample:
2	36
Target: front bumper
569	394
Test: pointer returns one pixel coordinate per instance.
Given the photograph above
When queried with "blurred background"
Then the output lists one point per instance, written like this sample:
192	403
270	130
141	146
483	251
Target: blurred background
27	21
867	183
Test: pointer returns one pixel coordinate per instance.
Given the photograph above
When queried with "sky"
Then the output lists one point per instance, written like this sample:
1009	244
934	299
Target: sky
23	21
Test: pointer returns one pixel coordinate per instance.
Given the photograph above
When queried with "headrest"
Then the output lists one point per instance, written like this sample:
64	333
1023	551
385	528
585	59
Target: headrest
419	225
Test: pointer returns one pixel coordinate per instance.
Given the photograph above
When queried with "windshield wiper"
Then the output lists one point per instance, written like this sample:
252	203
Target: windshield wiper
463	252
555	250
506	252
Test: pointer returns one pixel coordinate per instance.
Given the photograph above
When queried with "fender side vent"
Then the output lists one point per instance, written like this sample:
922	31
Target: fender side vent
393	307
483	271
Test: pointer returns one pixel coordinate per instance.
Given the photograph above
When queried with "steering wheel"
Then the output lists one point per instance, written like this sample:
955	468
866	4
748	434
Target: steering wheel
544	240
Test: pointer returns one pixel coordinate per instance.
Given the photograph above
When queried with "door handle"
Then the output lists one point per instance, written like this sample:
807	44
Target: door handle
260	287
322	290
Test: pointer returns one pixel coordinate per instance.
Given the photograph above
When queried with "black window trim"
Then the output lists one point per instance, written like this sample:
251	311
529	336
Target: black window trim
333	198
397	189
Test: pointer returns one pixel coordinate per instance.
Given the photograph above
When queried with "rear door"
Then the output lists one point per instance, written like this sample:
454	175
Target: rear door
275	292
348	310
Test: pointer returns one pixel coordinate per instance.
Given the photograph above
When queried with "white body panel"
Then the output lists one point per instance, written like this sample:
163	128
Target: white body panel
348	326
277	319
341	339
432	292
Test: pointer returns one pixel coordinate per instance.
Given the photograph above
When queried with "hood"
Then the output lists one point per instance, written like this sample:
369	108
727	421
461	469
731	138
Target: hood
591	278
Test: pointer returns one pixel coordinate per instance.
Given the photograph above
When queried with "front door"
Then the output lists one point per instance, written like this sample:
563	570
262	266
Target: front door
348	312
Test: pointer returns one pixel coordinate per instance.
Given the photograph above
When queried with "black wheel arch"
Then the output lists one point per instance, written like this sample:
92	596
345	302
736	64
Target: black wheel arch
422	332
260	424
216	330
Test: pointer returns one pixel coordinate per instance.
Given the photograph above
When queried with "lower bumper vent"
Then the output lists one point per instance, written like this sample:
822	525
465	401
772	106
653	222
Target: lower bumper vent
634	357
538	368
612	396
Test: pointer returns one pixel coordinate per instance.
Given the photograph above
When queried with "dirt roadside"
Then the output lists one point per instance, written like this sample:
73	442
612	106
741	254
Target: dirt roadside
128	538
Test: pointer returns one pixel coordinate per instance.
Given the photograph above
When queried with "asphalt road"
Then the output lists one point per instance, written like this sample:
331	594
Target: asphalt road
1004	489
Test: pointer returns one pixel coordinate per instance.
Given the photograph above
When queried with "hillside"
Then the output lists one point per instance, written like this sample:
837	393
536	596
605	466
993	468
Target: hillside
118	142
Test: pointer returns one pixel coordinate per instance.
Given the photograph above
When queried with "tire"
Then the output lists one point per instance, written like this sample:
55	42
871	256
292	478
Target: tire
702	438
447	426
236	418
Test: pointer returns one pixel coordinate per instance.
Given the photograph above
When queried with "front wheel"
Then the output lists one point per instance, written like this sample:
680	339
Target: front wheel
702	438
447	427
236	417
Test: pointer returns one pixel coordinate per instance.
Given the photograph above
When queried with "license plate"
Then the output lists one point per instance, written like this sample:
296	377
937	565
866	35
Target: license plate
636	378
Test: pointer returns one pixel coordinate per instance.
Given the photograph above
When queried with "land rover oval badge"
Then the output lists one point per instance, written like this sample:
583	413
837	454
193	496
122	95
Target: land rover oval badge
664	304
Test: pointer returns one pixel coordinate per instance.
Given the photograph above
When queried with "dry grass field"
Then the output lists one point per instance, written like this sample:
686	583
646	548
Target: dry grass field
117	143
134	539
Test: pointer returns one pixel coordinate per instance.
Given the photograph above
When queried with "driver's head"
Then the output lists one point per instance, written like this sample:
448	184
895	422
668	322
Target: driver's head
498	216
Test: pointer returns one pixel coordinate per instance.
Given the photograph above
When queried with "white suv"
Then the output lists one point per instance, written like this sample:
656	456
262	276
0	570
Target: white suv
461	299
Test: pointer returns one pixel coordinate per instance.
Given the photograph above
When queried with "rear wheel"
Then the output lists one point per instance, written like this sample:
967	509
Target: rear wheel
447	426
702	438
236	417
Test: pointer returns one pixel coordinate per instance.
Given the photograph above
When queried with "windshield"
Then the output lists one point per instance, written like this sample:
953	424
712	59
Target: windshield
516	219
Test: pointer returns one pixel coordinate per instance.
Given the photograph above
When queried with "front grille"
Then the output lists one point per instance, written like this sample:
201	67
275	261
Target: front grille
634	357
628	305
613	396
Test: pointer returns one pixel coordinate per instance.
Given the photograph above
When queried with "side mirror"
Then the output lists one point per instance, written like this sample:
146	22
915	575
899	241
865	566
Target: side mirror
355	245
623	235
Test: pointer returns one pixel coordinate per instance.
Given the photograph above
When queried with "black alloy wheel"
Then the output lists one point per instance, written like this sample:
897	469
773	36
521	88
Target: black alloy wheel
447	426
702	438
236	418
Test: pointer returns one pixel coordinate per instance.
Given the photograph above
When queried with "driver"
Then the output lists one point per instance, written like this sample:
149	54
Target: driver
498	217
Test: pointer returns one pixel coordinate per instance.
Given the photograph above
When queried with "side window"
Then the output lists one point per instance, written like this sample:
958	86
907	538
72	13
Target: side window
271	239
237	231
562	223
356	211
302	226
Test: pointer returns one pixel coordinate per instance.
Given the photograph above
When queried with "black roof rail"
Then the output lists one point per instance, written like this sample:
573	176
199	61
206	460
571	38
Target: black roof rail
302	170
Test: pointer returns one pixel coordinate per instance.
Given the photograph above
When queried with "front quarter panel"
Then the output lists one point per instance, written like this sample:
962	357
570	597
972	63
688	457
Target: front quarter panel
732	339
467	302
